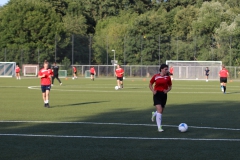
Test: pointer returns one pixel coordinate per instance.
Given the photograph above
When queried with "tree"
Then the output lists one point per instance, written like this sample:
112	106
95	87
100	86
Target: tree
28	25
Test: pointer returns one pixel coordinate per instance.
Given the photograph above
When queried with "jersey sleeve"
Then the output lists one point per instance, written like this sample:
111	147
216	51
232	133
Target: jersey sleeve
152	79
40	73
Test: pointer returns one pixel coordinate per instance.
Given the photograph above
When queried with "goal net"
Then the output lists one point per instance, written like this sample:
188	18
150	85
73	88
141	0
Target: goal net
7	69
194	69
62	73
30	70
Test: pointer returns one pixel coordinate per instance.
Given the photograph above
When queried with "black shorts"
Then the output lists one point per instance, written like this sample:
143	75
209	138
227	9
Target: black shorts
223	79
170	74
75	72
120	78
207	74
160	98
45	87
92	74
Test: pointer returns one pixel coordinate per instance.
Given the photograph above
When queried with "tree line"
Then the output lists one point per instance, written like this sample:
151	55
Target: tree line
147	32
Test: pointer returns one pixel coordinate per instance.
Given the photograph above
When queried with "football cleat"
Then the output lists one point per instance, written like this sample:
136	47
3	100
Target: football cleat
160	129
153	116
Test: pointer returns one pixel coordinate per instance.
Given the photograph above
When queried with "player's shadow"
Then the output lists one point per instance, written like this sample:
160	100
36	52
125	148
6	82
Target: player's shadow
233	92
78	104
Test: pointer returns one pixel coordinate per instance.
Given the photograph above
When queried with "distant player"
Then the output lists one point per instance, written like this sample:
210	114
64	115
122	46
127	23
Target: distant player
171	70
17	70
119	74
55	69
74	72
223	74
207	71
92	72
45	75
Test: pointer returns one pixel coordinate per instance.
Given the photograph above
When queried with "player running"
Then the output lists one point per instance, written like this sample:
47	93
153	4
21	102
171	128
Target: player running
92	72
45	75
17	70
162	85
119	74
223	74
55	69
74	72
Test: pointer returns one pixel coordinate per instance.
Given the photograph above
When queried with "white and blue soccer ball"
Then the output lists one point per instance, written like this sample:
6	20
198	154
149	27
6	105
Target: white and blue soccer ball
183	127
116	88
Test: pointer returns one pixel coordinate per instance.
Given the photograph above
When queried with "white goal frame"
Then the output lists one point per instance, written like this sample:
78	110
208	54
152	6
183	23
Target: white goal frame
35	73
194	70
7	72
62	76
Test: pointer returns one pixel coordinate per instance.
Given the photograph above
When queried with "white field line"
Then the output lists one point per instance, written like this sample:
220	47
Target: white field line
120	124
124	91
111	137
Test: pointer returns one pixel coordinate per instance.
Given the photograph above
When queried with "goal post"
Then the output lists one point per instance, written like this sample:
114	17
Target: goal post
7	69
62	73
30	70
194	70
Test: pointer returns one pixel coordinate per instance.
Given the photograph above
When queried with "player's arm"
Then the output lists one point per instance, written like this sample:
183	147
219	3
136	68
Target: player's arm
151	88
41	75
167	90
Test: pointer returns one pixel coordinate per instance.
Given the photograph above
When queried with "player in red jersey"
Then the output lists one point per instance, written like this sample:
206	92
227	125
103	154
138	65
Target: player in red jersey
171	70
92	72
74	72
162	85
223	74
119	74
17	70
45	75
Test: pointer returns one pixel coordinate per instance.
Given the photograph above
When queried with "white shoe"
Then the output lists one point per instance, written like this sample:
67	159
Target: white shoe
160	129
60	84
51	84
153	116
206	80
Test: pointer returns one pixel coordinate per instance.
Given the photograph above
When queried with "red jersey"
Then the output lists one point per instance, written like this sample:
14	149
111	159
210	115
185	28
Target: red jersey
171	70
92	70
17	69
119	72
223	73
161	82
47	79
74	69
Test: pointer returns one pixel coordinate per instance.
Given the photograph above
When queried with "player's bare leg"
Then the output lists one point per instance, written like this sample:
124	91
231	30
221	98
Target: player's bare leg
47	98
44	98
118	83
121	83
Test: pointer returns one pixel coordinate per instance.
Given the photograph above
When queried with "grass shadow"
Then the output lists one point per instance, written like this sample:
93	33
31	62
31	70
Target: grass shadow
79	104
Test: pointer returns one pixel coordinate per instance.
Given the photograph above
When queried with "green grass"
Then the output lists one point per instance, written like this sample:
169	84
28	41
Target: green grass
120	125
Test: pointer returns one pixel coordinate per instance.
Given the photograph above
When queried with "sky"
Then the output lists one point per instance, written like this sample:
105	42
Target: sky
2	2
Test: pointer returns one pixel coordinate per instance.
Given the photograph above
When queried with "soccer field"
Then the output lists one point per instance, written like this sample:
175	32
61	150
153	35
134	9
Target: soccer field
91	120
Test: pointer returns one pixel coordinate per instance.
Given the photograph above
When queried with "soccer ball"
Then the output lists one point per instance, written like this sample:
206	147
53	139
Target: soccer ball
73	78
116	88
183	127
